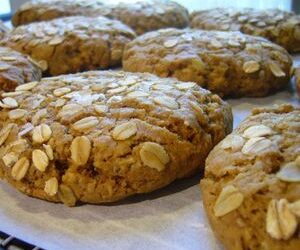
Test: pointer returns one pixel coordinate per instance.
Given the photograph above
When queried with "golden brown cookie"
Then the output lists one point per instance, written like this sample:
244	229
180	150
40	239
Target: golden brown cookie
16	69
278	26
252	181
142	16
45	10
102	136
227	63
145	16
72	44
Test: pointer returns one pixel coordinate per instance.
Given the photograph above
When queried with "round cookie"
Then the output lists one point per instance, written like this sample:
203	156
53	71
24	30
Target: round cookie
227	63
72	44
45	10
101	136
252	180
278	26
3	29
17	69
142	16
150	15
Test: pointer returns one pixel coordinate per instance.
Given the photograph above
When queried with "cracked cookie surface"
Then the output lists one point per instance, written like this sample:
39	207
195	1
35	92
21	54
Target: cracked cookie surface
142	16
252	181
226	63
101	136
46	10
278	26
72	44
17	69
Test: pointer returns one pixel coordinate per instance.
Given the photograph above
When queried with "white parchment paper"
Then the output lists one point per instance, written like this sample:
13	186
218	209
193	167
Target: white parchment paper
171	218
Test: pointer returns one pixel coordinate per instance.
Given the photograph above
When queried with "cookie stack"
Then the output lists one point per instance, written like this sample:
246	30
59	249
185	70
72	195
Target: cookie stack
82	136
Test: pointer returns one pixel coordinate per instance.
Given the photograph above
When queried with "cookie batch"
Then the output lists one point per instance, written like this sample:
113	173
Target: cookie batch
142	16
100	101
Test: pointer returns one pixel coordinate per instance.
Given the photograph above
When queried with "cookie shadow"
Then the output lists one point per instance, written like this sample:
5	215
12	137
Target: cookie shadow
166	200
174	187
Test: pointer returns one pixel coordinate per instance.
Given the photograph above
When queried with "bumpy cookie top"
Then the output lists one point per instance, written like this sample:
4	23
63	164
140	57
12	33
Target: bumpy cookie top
215	56
76	25
257	168
16	69
61	38
42	10
271	23
52	4
104	127
233	19
142	16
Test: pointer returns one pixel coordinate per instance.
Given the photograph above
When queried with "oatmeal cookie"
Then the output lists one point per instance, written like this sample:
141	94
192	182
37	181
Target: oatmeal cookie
278	26
45	10
101	136
147	16
252	182
16	69
142	16
227	63
72	44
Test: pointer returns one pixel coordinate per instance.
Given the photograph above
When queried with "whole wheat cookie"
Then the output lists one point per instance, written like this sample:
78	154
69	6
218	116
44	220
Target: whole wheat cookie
3	29
101	136
278	26
142	16
252	181
45	10
227	63
17	69
72	44
145	16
